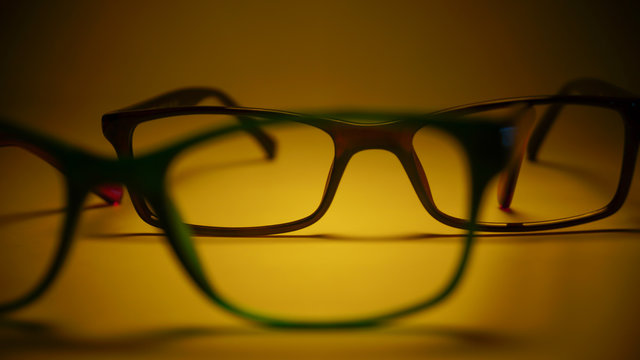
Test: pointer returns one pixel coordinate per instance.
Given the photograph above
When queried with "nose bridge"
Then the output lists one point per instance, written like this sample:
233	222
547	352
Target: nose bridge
352	138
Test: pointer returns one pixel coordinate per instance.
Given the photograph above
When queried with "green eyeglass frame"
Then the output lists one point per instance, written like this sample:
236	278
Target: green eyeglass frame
489	145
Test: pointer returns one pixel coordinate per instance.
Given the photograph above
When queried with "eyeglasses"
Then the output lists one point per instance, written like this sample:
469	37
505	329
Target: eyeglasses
576	168
257	172
150	180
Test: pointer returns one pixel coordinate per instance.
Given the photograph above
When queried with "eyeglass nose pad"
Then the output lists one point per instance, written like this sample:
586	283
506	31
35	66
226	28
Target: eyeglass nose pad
111	193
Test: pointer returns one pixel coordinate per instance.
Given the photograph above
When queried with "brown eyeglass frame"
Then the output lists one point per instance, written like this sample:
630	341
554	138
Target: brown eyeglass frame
348	139
395	136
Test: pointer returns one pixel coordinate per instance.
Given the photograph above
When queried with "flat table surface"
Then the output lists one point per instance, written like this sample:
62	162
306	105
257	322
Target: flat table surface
571	293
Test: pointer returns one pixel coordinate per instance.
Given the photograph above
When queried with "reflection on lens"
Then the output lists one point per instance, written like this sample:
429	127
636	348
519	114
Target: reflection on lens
307	279
229	181
31	217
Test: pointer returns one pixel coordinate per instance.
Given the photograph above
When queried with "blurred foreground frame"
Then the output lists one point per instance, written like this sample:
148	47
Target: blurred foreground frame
483	139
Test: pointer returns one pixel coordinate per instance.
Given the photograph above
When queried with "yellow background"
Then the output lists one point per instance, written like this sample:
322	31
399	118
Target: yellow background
560	295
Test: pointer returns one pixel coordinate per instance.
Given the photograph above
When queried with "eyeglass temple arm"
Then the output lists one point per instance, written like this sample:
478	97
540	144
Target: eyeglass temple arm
194	95
582	86
525	117
111	193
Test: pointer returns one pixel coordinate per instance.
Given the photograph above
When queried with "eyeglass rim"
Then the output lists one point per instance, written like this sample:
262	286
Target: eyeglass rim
85	171
119	126
629	110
